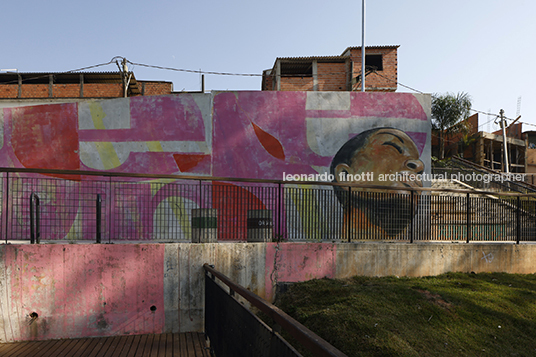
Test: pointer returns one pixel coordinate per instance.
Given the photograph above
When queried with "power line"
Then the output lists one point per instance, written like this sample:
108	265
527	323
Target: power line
489	121
244	75
418	91
66	72
196	71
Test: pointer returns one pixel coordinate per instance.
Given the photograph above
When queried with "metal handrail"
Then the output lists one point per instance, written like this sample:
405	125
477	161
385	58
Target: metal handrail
245	180
316	344
288	193
475	167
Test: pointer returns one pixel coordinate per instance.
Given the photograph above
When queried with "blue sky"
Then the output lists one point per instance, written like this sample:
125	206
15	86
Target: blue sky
483	47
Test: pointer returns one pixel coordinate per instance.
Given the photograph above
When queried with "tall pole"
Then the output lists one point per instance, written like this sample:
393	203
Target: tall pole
124	75
363	48
503	125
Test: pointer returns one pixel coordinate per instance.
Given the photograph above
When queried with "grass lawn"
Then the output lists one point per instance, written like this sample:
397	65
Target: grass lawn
454	314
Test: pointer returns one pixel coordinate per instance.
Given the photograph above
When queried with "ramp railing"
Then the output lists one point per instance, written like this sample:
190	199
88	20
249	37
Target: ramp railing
233	330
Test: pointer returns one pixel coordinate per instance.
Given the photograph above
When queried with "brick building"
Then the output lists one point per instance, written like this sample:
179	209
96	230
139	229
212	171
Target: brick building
335	73
486	149
53	86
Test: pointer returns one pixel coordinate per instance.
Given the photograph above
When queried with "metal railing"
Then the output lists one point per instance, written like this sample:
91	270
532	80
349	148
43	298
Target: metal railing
506	184
35	232
112	207
235	331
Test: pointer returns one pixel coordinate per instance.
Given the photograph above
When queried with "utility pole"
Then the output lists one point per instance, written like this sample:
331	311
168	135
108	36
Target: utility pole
363	48
125	75
505	144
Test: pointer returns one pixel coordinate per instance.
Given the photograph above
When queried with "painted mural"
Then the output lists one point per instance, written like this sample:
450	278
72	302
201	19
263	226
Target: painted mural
259	135
385	157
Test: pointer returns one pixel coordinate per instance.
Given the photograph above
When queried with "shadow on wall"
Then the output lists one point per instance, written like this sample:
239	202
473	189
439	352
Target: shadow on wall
68	291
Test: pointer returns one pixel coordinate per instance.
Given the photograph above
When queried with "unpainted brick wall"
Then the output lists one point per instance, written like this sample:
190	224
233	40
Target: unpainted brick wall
331	76
9	90
65	90
103	90
90	90
155	88
297	83
387	78
34	91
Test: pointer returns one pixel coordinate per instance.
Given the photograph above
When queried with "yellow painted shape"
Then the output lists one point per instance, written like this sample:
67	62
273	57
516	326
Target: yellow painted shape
97	115
178	205
108	156
170	216
154	146
156	185
74	231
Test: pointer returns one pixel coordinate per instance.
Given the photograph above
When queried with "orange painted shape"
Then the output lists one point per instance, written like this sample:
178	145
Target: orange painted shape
269	142
186	162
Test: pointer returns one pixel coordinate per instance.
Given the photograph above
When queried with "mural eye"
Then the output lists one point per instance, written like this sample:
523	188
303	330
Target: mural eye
390	143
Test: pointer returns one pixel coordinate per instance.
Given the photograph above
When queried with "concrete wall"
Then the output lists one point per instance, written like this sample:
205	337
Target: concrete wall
103	290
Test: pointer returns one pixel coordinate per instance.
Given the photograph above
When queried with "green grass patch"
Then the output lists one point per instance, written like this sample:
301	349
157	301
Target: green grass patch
454	314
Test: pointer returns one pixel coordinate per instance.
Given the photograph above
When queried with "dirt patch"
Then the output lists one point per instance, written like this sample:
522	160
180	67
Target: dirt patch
436	299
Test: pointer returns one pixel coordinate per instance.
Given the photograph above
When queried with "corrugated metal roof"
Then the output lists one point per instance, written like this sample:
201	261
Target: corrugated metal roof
312	58
367	47
343	57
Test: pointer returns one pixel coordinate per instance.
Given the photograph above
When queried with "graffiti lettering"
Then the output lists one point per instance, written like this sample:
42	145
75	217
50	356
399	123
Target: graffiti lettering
487	257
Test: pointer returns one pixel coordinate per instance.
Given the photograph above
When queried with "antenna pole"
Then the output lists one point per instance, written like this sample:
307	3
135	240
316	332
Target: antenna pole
363	47
503	125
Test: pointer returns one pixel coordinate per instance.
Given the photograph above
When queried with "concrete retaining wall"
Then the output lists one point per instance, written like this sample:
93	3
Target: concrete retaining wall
102	290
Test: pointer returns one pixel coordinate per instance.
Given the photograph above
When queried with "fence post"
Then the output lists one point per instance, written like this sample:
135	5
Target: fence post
349	217
32	224
468	218
111	210
5	205
518	220
35	234
279	210
412	216
98	220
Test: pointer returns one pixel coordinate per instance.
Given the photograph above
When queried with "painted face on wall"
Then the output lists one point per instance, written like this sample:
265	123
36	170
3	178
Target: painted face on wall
384	157
387	157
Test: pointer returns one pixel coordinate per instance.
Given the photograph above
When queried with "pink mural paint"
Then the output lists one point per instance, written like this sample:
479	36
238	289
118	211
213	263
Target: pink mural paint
237	149
86	290
284	115
291	262
259	135
401	105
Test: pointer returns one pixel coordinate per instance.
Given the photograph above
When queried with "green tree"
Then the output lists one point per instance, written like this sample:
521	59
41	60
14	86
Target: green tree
447	111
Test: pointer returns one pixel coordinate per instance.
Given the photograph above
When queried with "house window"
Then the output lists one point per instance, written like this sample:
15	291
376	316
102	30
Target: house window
374	61
297	69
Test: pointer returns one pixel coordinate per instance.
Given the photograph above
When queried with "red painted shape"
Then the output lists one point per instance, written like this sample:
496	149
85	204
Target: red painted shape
233	203
298	262
269	142
46	137
187	162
